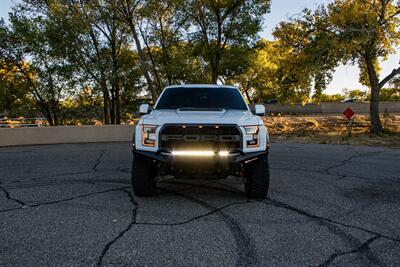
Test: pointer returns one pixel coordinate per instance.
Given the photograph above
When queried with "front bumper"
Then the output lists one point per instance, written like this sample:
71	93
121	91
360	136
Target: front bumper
165	157
210	167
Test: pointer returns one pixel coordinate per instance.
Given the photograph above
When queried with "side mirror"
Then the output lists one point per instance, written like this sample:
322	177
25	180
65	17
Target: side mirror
144	109
259	110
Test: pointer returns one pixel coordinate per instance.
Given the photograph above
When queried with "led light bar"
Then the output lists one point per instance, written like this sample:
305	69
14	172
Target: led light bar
199	153
223	153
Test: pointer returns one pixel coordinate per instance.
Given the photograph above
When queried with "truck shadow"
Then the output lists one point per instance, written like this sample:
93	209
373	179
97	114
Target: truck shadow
232	186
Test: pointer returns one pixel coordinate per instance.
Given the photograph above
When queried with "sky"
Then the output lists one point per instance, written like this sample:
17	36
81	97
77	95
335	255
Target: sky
344	76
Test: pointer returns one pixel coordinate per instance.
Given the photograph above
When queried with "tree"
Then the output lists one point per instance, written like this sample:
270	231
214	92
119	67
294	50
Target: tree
161	26
362	31
390	94
330	98
76	27
90	36
356	94
48	76
81	108
311	50
129	12
368	30
14	88
393	92
276	71
222	24
75	38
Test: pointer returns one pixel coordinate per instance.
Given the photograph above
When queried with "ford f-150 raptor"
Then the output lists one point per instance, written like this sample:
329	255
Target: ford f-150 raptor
201	131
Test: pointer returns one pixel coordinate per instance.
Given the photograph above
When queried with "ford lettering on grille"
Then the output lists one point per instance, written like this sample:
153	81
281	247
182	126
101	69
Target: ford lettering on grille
200	138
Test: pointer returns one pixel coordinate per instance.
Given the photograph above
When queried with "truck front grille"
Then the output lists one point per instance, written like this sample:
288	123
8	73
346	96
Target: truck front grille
200	137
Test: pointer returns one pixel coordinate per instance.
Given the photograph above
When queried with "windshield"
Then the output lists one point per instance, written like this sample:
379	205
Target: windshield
201	98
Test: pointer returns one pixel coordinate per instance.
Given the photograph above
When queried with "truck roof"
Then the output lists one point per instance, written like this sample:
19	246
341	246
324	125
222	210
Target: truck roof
200	86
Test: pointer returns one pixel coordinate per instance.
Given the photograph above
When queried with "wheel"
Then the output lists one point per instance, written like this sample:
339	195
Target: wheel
143	182
257	176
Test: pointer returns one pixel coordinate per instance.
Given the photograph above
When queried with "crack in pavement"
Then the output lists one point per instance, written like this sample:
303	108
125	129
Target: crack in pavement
9	197
215	210
306	197
247	251
59	182
16	152
239	234
330	168
57	175
341	164
65	174
288	207
370	179
340	176
226	188
347	160
98	160
364	247
135	222
283	205
364	178
65	199
332	227
245	256
120	234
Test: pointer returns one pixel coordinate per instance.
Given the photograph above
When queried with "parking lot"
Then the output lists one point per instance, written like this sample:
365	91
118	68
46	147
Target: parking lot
72	205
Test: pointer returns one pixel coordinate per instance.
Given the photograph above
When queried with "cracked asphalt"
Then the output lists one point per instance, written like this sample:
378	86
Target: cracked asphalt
72	205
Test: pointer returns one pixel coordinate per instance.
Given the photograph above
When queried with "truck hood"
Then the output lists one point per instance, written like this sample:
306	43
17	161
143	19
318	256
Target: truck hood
238	117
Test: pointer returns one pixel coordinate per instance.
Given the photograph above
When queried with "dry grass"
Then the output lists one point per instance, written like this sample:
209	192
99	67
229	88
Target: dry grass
331	129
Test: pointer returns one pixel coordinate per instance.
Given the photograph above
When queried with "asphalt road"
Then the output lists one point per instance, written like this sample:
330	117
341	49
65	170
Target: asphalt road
72	205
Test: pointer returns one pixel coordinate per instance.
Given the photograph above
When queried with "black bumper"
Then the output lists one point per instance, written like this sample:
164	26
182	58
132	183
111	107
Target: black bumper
208	167
237	159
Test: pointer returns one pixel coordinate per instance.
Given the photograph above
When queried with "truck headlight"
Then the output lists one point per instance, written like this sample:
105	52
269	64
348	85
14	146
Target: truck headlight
254	131
149	135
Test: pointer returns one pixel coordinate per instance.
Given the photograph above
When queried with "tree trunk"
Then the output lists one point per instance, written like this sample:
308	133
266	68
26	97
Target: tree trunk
55	116
214	71
157	81
142	60
214	76
55	120
106	107
44	108
112	107
248	96
215	62
376	126
48	116
117	106
115	82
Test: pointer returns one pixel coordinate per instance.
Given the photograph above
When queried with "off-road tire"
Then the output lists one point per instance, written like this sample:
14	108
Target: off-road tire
257	183
143	182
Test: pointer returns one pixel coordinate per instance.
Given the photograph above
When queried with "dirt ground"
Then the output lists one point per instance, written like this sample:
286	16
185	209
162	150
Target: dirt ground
332	129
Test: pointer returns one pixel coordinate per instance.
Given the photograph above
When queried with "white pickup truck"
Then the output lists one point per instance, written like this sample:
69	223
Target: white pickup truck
201	131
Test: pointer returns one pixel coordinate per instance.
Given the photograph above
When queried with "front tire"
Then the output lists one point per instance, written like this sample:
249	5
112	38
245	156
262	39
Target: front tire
143	182
257	176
